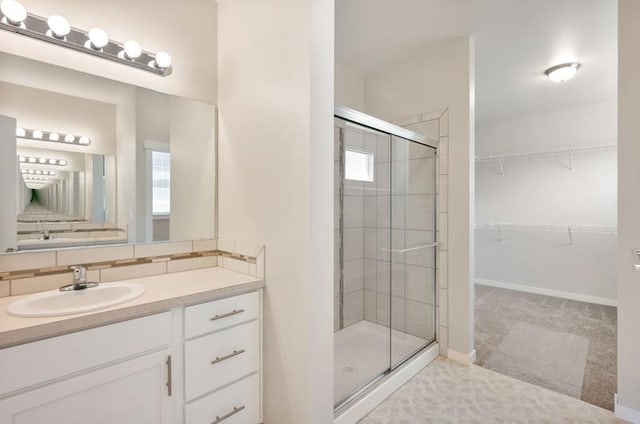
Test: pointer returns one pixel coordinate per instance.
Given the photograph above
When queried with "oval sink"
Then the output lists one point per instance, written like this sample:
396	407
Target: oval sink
55	303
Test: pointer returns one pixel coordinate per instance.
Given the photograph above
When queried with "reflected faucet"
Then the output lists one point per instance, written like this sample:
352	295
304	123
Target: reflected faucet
79	280
46	235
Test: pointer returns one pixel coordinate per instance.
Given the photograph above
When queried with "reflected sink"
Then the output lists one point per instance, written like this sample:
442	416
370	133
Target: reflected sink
55	303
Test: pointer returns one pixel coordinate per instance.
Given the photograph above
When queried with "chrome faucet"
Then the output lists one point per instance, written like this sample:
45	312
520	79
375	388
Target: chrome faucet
79	280
46	235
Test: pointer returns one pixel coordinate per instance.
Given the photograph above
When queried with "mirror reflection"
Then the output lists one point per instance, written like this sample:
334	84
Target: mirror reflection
98	161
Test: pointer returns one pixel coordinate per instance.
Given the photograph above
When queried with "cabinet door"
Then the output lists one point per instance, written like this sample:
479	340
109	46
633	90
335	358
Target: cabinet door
134	391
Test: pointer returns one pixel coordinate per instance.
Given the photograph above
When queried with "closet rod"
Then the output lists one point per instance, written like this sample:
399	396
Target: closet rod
568	150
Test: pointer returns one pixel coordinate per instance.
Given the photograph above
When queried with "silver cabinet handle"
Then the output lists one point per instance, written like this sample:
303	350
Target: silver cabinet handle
169	376
229	356
236	409
228	314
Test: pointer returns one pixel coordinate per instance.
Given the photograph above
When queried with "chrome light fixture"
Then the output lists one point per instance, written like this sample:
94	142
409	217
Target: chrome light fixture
57	30
563	72
51	136
33	160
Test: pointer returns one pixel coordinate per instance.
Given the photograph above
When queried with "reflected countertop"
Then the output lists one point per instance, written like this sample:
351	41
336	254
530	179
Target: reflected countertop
162	292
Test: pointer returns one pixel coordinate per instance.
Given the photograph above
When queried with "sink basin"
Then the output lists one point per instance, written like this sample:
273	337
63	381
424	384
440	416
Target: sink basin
55	303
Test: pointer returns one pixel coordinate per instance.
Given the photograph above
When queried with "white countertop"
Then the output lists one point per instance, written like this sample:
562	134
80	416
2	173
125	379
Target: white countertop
162	292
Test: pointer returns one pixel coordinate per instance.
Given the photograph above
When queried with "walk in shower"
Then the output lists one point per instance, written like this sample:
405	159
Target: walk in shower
385	251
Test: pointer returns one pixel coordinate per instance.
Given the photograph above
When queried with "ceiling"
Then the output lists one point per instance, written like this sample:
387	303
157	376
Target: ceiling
516	40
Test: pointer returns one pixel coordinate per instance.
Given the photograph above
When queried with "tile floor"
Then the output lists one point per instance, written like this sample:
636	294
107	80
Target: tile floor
563	345
446	392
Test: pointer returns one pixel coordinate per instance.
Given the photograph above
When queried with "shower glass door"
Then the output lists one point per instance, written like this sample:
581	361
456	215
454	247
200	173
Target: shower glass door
384	280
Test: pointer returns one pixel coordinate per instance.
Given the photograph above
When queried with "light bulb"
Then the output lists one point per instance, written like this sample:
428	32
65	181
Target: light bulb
563	72
98	39
20	132
14	13
32	160
162	60
84	140
42	160
69	138
52	173
52	161
59	26
54	136
132	50
24	171
62	162
37	134
31	171
38	172
23	159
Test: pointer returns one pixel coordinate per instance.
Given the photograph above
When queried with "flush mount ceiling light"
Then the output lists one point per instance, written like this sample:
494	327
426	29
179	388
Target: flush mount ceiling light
52	136
42	160
57	30
563	72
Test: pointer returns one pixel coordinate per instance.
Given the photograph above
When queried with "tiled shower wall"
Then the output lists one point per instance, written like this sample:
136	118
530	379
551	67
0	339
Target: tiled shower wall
398	206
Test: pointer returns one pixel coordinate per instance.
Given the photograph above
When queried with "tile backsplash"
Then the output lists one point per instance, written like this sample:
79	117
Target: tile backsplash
35	271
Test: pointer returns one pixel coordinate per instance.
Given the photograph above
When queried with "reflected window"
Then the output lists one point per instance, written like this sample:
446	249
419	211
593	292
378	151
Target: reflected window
358	166
161	176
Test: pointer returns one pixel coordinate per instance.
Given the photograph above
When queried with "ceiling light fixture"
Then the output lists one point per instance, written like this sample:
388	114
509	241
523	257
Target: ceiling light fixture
38	135
563	72
57	30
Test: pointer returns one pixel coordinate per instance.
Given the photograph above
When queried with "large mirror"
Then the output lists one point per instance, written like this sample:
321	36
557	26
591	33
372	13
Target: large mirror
88	160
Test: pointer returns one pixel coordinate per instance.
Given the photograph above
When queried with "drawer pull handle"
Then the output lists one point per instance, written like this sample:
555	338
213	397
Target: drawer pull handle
236	409
229	356
228	314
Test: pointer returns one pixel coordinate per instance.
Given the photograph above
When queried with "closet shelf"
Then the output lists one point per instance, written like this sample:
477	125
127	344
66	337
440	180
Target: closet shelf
569	230
569	150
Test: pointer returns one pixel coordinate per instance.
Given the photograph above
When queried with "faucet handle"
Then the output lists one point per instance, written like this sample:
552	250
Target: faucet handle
79	273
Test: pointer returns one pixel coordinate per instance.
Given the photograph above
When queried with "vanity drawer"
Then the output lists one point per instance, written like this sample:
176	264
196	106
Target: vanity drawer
220	358
37	362
213	316
236	404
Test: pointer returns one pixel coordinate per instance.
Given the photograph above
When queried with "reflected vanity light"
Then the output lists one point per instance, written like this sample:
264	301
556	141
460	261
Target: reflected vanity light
37	172
52	136
57	30
42	160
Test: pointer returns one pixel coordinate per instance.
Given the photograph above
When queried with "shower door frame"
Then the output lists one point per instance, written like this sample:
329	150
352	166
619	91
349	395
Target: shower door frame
363	120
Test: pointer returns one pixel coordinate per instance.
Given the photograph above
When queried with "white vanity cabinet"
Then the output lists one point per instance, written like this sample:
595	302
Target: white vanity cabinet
193	364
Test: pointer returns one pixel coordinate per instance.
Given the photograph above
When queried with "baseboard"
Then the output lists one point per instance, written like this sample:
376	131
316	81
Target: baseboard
625	413
462	358
367	403
549	292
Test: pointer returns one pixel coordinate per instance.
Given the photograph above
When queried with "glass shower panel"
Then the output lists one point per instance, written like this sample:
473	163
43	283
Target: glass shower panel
362	275
413	247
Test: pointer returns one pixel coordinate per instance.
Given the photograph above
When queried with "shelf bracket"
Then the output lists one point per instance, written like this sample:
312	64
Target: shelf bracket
500	235
571	160
570	237
501	167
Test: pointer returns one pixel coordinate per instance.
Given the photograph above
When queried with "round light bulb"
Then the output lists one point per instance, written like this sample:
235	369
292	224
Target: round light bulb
14	12
52	161
24	171
132	50
62	162
98	39
54	136
42	160
52	173
32	160
84	140
162	60
37	134
562	72
38	172
59	26
31	171
69	138
20	132
23	159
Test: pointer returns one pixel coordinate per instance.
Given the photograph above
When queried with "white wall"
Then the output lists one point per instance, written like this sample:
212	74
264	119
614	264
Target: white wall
193	158
543	190
275	69
188	33
349	88
439	78
628	209
8	175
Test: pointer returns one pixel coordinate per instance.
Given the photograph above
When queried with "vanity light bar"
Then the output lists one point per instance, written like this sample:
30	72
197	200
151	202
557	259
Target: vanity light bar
37	172
32	160
31	178
52	136
57	30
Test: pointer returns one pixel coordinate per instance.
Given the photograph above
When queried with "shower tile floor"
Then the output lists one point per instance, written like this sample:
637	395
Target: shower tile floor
563	345
362	352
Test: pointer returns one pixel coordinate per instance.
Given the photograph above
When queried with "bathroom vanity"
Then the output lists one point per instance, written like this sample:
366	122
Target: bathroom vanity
187	351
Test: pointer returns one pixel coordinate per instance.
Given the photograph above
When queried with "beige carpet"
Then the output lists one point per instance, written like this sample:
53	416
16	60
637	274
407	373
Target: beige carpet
449	393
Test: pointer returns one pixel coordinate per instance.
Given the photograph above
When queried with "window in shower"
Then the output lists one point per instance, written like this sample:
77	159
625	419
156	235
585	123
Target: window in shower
358	166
